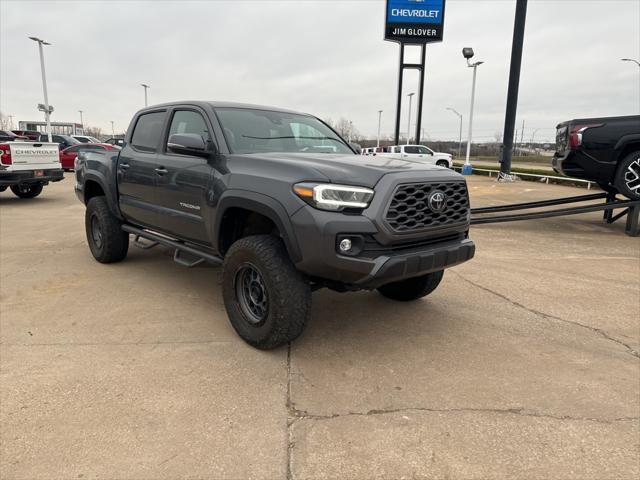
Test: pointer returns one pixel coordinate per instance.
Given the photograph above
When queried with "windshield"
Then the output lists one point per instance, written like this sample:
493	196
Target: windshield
261	131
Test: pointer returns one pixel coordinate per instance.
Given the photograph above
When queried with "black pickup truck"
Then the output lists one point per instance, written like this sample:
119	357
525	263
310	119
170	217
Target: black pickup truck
604	150
282	201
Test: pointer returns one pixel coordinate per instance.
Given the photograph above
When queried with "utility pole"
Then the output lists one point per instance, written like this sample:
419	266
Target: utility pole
145	86
410	95
113	133
379	122
514	84
638	64
47	110
467	53
460	130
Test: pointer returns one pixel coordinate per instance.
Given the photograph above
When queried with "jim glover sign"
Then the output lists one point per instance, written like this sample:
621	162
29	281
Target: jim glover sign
414	21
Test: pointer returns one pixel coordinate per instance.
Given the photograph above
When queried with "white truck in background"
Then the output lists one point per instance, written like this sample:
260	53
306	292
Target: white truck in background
418	153
27	167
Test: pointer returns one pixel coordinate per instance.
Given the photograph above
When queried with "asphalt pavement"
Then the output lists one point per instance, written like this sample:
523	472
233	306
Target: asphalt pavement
523	364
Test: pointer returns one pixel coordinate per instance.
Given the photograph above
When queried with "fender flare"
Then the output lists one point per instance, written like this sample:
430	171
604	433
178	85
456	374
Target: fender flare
264	205
100	179
626	139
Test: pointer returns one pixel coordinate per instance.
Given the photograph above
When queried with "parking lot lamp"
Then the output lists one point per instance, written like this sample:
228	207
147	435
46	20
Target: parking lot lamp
459	130
468	54
410	95
638	64
145	86
47	112
379	122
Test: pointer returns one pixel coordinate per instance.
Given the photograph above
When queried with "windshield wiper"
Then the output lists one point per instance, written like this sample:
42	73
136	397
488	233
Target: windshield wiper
292	136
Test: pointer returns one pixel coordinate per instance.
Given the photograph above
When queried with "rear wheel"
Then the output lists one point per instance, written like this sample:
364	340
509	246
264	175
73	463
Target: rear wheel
27	191
107	241
412	288
628	176
267	300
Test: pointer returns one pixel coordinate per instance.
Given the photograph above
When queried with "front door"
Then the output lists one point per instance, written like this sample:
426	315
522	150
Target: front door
137	170
183	181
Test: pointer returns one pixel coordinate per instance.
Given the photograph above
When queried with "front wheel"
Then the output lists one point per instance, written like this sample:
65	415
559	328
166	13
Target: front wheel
628	176
412	288
27	191
442	163
107	241
267	300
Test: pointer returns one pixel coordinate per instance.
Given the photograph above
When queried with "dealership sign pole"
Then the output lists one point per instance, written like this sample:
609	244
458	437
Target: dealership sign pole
413	22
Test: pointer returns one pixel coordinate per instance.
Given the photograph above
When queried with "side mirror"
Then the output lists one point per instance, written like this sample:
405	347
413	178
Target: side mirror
187	144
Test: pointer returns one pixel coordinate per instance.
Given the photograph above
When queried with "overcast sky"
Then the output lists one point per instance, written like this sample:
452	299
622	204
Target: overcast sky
325	57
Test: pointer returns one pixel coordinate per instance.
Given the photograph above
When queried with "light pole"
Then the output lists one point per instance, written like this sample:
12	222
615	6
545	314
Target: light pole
81	122
410	95
113	133
459	132
379	122
638	64
47	112
145	86
467	169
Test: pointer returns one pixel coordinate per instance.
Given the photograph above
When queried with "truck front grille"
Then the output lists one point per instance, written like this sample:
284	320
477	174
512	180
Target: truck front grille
410	211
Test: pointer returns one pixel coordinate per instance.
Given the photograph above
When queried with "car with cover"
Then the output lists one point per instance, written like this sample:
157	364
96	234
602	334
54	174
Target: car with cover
281	201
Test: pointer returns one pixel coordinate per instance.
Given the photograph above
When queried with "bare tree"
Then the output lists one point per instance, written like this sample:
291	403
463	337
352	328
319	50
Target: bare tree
94	132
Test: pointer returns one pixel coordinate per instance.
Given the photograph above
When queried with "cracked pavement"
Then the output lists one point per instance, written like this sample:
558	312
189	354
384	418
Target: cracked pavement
523	364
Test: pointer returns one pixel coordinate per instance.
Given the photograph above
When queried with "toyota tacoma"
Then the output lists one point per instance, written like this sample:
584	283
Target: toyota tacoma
281	201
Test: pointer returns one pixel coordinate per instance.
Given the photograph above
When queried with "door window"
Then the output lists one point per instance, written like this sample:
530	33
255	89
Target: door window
146	134
188	121
412	150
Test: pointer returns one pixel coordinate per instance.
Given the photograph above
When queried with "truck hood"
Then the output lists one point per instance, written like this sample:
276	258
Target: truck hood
359	170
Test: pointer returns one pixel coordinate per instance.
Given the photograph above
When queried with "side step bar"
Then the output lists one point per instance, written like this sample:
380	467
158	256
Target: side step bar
180	247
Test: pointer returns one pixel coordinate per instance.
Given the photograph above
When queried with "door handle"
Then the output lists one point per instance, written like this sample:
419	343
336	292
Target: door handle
124	166
161	170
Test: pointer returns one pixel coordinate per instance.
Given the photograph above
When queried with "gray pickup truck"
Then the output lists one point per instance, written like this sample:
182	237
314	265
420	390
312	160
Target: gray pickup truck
282	201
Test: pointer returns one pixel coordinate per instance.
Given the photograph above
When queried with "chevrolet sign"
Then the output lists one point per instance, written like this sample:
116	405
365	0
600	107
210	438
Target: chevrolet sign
414	21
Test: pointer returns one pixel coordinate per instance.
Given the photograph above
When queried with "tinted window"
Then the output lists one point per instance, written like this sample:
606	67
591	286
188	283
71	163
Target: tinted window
147	133
255	131
412	150
187	121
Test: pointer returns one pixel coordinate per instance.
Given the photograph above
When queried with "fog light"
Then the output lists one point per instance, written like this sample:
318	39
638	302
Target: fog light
345	245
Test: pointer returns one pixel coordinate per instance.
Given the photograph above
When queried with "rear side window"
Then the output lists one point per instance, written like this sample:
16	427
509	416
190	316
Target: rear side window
412	150
147	132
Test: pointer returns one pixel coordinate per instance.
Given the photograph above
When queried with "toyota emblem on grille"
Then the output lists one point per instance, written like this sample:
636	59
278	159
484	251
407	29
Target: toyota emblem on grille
437	201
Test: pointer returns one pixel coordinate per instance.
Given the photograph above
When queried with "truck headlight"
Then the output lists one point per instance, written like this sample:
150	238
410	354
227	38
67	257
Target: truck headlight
327	196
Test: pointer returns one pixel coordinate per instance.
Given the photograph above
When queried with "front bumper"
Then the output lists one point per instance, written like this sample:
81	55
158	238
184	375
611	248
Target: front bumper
317	233
22	177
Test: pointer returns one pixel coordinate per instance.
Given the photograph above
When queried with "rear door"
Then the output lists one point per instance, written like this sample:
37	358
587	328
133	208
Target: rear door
137	166
183	180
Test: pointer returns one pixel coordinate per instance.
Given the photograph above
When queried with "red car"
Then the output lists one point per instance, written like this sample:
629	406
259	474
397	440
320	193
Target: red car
69	154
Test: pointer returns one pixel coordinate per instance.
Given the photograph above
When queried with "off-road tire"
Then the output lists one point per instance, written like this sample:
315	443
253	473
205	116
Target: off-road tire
412	288
113	244
27	191
628	176
288	292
